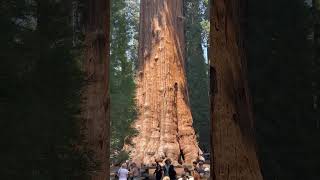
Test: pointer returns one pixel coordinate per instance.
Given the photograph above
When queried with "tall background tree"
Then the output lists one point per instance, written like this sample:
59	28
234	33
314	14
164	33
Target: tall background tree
124	52
196	29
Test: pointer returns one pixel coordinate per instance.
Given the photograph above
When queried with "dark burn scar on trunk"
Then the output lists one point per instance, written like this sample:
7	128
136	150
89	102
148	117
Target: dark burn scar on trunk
213	81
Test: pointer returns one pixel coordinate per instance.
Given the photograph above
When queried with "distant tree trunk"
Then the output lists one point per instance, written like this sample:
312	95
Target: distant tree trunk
164	121
96	95
234	152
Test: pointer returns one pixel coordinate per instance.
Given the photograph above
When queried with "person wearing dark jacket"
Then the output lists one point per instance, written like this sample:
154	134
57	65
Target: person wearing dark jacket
168	170
158	171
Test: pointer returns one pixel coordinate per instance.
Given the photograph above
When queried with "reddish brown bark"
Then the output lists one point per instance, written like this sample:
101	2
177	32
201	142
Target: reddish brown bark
95	94
234	152
164	122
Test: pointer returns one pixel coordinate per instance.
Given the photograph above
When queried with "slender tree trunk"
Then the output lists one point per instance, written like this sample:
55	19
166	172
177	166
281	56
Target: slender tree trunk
96	95
234	152
164	121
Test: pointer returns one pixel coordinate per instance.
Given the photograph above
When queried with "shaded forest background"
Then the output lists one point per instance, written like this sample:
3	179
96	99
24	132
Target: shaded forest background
41	79
284	82
42	44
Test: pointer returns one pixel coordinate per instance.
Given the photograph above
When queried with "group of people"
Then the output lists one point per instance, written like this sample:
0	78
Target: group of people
199	171
168	172
130	171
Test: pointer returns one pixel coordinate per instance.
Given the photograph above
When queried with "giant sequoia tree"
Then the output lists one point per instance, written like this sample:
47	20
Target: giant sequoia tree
234	154
164	121
96	95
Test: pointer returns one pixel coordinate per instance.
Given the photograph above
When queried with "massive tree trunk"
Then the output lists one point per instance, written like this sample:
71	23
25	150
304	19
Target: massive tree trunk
234	152
164	121
96	95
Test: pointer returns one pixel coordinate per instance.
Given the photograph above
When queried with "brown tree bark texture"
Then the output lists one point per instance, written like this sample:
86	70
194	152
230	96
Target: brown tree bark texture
234	152
96	92
164	119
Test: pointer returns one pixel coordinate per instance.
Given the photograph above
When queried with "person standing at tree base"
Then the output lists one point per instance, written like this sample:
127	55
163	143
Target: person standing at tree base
169	170
158	171
123	172
134	171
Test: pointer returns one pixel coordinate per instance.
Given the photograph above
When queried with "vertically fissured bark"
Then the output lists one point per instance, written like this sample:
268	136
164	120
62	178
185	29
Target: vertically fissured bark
164	121
234	152
95	94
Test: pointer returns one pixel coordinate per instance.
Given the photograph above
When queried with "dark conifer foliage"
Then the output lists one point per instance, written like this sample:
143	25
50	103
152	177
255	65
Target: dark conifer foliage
197	70
123	57
40	92
281	74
